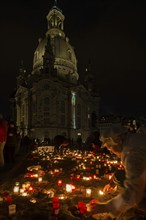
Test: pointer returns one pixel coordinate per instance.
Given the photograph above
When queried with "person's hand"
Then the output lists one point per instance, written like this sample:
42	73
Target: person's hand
95	207
108	188
98	209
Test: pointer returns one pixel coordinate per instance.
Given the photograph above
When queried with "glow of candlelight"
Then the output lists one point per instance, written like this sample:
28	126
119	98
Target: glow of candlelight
1	199
88	192
21	190
24	194
33	200
87	178
17	183
101	192
16	189
27	185
68	188
40	179
59	182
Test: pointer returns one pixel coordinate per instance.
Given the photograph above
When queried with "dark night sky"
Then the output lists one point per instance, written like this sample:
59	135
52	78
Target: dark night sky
109	33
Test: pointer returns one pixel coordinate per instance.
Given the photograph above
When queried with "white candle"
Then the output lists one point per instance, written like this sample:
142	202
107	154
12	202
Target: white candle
88	192
40	179
16	189
68	188
24	194
12	209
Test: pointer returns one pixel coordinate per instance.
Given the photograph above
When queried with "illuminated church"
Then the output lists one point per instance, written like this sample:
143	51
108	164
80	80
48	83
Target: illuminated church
51	100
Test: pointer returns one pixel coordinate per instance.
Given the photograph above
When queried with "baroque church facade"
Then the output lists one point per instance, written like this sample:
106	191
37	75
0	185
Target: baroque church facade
51	100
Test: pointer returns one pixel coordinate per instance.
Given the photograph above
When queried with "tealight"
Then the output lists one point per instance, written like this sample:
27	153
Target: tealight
59	183
68	188
101	192
88	192
33	200
21	190
24	194
40	179
16	189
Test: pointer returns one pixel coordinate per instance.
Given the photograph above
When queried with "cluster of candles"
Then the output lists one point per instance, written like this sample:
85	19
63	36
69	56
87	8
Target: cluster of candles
25	189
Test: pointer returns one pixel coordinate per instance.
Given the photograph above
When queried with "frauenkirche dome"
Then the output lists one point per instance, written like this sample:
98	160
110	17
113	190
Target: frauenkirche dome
64	56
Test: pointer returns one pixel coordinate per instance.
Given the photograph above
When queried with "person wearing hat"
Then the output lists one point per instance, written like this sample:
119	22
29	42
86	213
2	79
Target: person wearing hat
131	148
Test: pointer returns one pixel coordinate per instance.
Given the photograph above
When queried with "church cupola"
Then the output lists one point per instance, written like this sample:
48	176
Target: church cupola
55	20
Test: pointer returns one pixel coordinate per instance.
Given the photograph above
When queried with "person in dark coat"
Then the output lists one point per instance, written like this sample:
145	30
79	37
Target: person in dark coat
60	143
11	143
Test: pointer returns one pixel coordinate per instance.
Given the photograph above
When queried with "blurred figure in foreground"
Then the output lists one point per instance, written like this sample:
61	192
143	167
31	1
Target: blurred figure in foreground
131	148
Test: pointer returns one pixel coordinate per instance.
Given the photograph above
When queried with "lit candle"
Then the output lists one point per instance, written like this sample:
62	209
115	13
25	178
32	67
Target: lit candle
78	177
59	182
35	175
88	207
101	192
24	186
31	189
21	190
24	194
27	184
17	183
62	196
40	179
68	188
16	189
110	176
33	200
88	192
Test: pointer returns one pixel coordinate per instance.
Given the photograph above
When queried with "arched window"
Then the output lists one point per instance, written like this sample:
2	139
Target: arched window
46	110
62	113
79	115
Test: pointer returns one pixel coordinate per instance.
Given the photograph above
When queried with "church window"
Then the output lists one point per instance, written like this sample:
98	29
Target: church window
73	102
46	110
79	115
46	104
62	113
